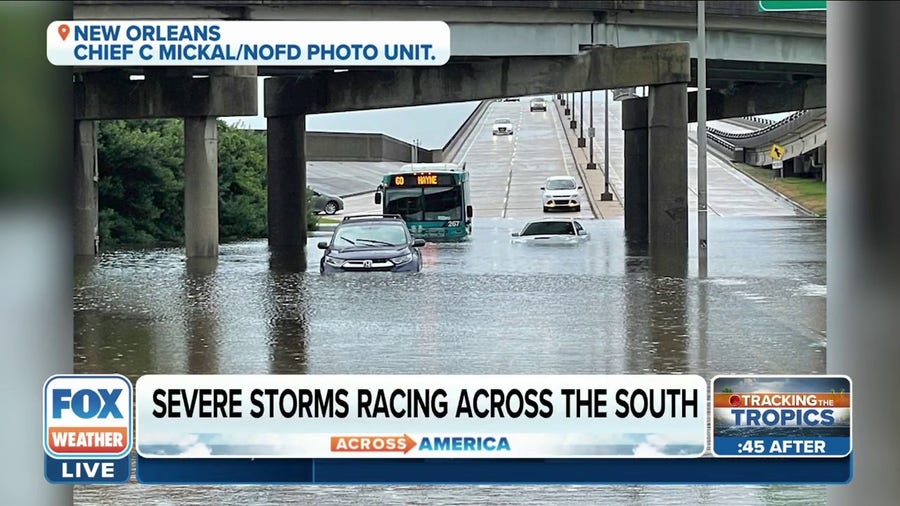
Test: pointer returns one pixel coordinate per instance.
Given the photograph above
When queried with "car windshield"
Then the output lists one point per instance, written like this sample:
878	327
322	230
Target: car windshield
503	120
560	184
370	234
538	100
549	228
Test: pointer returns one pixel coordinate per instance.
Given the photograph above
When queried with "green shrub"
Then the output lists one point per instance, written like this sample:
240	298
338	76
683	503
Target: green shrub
312	219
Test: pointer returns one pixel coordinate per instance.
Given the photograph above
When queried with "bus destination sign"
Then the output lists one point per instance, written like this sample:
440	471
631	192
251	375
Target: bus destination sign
422	179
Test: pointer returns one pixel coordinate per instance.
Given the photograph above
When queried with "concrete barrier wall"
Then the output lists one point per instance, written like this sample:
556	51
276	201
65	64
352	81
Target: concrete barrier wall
462	133
395	150
361	147
339	146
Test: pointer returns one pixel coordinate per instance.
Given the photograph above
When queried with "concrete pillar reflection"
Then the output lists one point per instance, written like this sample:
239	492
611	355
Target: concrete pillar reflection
287	315
201	316
669	337
667	178
201	187
636	295
86	194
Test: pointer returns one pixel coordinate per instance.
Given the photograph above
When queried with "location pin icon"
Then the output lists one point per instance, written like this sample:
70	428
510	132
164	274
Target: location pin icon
63	31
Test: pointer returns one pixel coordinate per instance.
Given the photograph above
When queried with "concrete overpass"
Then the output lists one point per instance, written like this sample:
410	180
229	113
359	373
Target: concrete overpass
758	63
804	132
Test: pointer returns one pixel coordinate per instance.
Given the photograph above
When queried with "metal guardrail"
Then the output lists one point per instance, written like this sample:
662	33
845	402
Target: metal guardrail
754	121
797	124
721	142
757	133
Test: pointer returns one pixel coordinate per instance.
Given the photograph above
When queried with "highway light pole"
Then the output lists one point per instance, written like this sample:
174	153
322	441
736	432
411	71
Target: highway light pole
701	139
606	195
573	122
591	165
581	120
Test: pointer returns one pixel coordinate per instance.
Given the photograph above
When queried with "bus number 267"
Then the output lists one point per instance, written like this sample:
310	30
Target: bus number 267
453	223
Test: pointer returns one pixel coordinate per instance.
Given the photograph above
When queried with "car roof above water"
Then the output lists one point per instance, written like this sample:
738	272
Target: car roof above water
373	218
552	220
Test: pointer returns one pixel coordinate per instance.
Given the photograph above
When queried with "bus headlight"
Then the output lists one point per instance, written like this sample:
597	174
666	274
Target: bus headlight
402	259
334	262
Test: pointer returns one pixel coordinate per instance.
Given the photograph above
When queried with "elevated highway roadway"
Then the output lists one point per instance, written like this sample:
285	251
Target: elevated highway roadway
508	171
730	193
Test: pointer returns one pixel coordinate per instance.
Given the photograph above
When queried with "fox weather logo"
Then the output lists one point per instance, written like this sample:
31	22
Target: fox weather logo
87	428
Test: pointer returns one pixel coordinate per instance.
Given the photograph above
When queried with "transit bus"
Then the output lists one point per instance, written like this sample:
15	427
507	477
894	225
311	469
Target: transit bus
433	199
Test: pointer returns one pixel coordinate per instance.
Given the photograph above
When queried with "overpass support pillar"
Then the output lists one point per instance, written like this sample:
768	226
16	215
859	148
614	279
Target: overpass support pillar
634	123
667	139
87	240
286	179
201	187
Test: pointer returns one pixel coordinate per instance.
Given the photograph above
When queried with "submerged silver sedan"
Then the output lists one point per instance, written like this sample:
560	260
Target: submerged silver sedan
552	231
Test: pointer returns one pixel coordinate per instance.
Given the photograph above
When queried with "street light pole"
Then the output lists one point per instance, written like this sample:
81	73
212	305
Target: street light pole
606	195
581	120
701	139
573	122
591	165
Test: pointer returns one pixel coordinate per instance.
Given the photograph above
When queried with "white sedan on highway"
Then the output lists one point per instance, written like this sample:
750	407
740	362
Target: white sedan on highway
552	231
503	126
561	194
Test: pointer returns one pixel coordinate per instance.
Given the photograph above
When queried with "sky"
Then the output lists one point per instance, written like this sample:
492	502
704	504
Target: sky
432	125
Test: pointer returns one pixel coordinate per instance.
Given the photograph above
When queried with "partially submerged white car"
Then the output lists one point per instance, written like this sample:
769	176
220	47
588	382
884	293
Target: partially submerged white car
503	126
552	231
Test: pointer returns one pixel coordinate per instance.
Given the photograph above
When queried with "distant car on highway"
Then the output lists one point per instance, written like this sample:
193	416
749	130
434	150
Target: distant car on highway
511	99
369	243
503	126
561	194
328	204
538	104
552	231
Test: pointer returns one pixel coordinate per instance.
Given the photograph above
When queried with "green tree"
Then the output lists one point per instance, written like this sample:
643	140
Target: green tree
141	181
242	183
141	165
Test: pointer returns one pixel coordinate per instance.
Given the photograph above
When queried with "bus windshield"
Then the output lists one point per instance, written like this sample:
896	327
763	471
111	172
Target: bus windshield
425	204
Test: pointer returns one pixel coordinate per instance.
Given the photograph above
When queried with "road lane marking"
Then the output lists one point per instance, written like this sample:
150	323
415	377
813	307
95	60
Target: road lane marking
472	140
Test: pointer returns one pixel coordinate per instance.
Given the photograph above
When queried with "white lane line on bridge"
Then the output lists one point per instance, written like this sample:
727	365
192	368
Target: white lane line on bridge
559	142
472	139
509	174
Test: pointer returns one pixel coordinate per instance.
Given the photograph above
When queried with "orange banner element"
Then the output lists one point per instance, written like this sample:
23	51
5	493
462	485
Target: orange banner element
109	440
781	400
402	443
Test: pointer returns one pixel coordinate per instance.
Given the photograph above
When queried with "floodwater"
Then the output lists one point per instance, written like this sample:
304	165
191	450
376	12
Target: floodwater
486	306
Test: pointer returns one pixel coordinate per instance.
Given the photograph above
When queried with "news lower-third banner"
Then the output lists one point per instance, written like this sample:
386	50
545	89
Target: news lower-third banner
396	429
421	416
247	43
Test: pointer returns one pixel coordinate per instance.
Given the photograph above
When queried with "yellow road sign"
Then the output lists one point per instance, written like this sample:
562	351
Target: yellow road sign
777	152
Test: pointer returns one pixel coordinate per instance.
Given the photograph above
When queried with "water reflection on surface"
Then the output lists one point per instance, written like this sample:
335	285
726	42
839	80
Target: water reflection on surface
486	306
